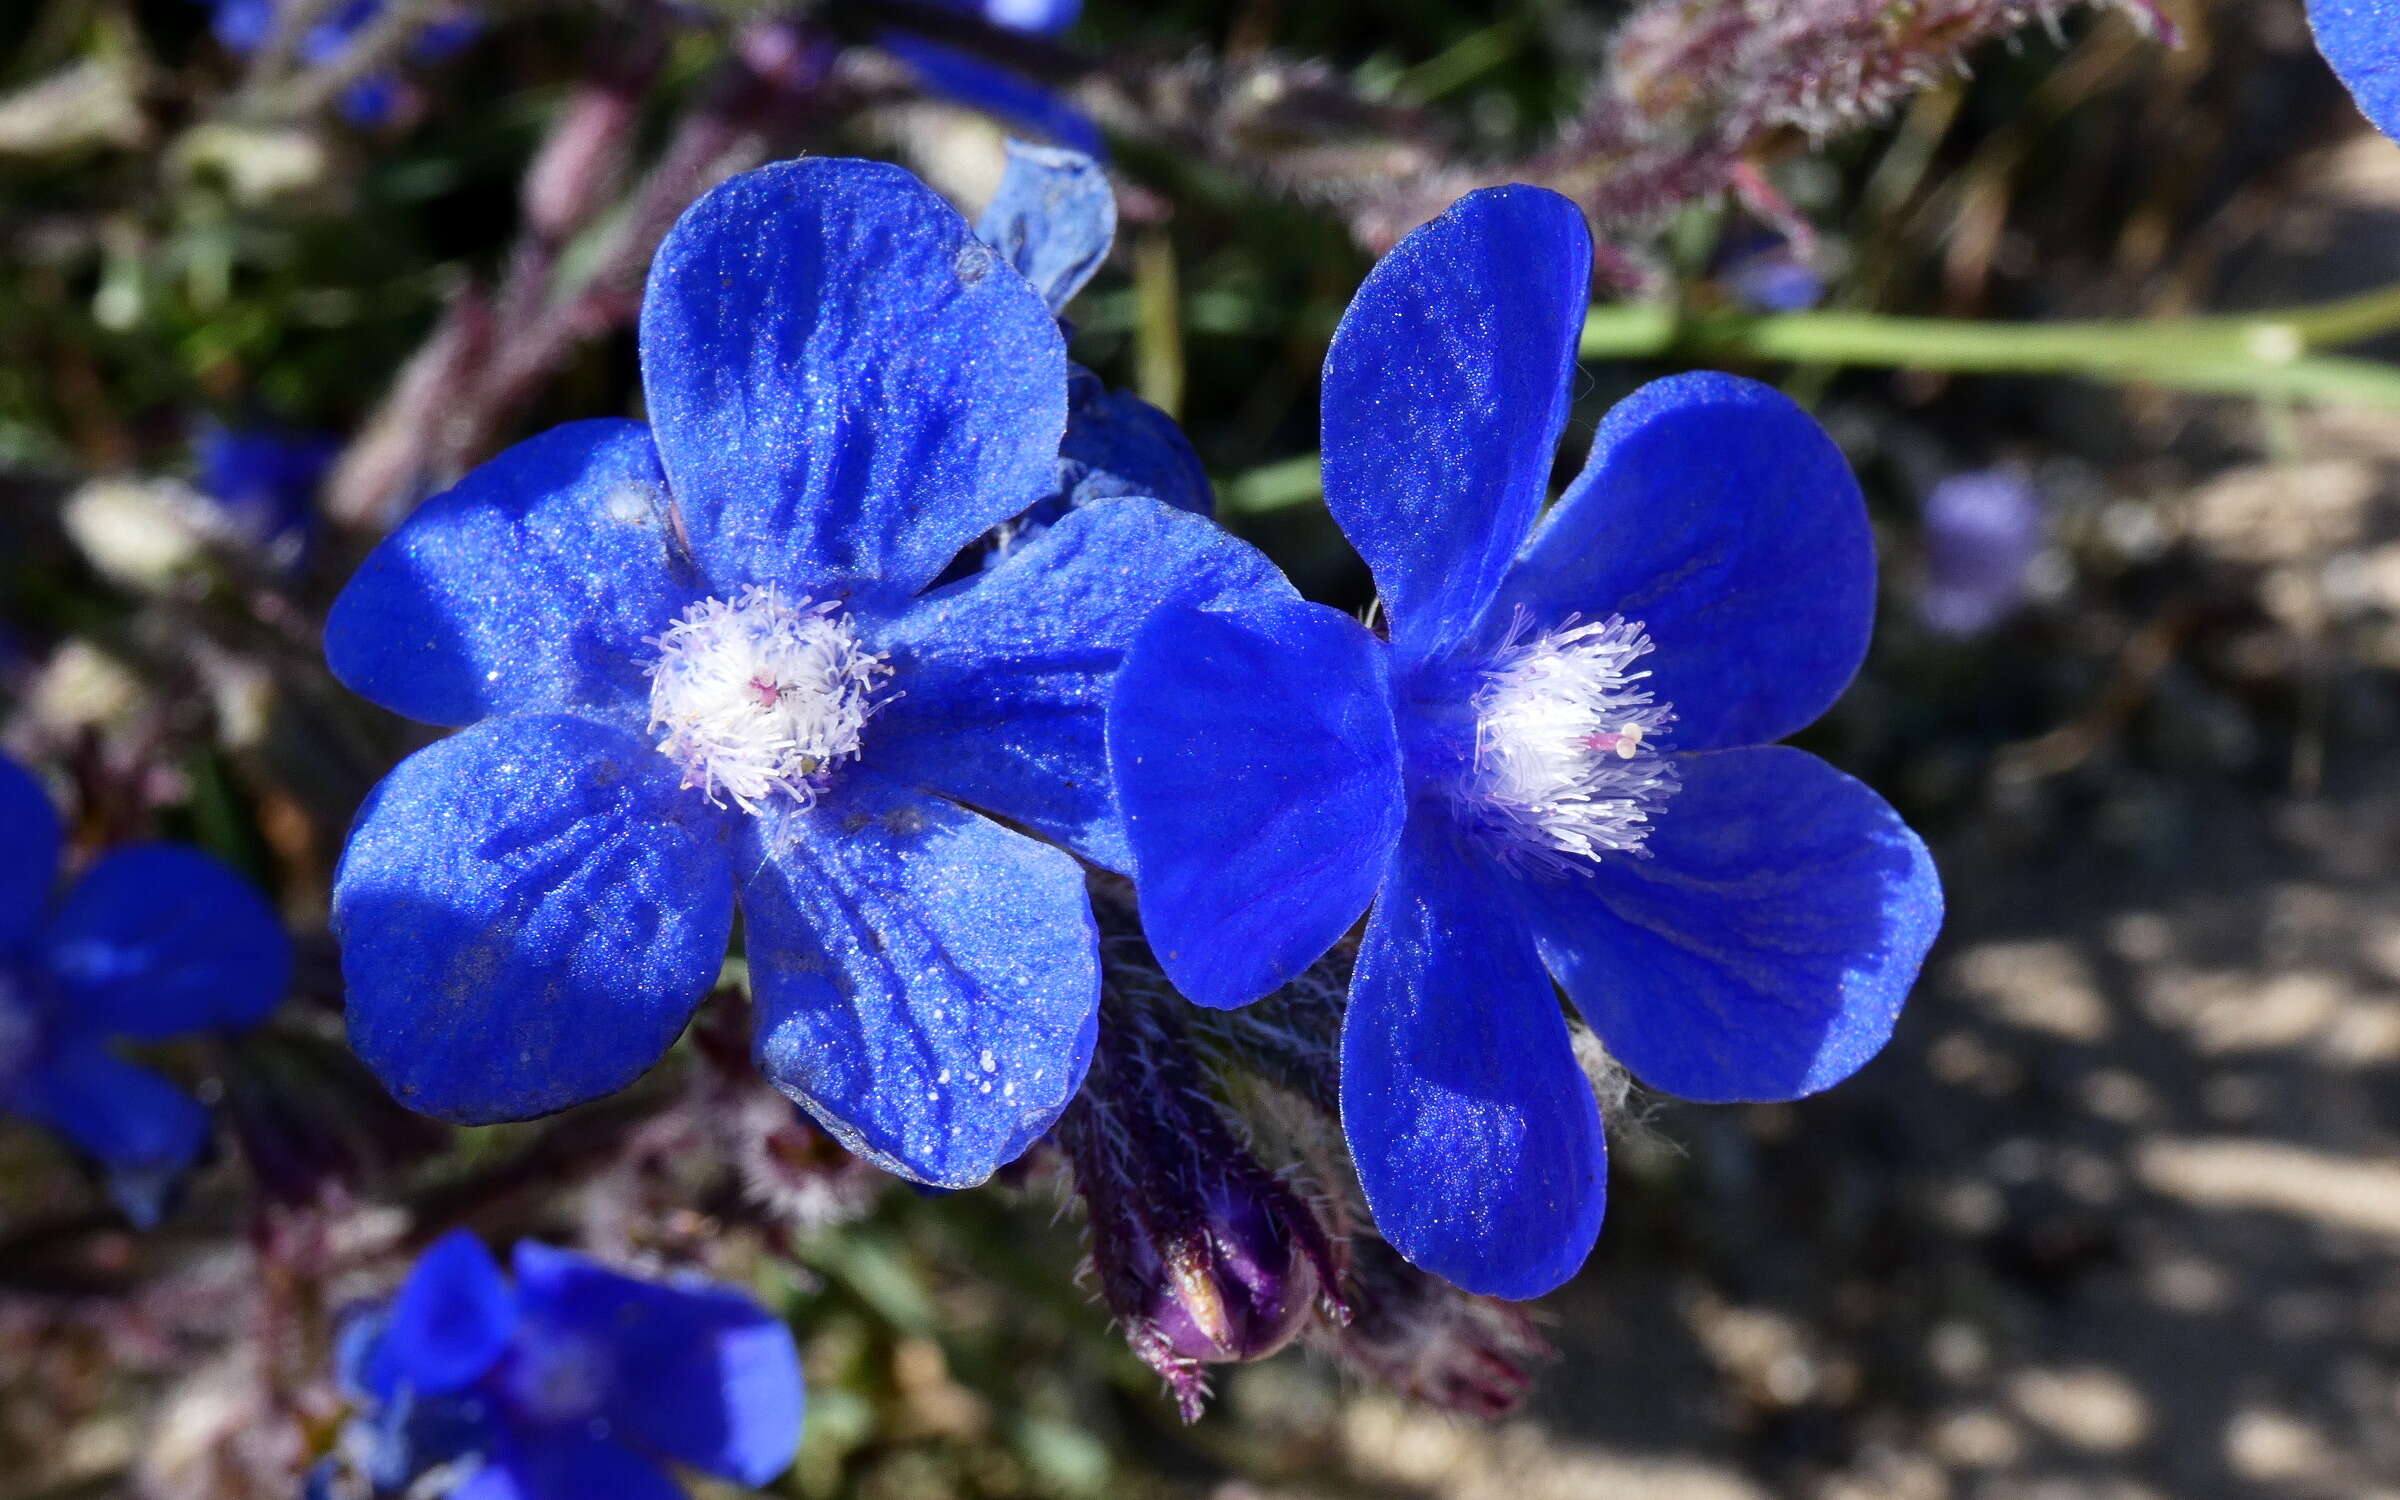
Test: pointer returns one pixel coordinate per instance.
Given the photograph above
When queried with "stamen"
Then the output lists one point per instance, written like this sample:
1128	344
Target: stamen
1566	765
761	697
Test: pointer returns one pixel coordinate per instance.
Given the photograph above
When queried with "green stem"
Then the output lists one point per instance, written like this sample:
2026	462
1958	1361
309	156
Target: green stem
2258	354
2268	356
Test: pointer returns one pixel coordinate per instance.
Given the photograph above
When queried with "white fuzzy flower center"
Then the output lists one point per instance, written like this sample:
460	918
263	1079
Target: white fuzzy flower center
761	697
1566	765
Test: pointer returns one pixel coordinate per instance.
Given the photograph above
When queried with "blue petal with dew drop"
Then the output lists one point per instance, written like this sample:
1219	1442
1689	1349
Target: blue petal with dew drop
2361	38
927	980
1005	675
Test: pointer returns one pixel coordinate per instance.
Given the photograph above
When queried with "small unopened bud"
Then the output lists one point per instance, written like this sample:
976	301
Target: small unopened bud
1425	1339
1203	1254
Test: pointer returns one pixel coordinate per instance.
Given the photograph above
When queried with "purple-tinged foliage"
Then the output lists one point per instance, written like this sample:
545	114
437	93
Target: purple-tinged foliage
154	941
1695	95
574	1381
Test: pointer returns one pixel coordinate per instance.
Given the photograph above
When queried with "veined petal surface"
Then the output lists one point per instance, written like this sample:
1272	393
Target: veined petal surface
1763	949
530	585
844	382
1446	390
529	912
927	980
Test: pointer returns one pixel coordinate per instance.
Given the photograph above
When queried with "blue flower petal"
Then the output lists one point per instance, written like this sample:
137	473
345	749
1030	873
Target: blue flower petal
1475	1132
1054	218
1722	517
1445	394
30	832
452	1320
1015	100
1037	17
1258	766
845	383
1129	447
565	1463
1003	677
158	940
1763	949
141	1127
530	585
927	980
703	1374
2361	38
529	913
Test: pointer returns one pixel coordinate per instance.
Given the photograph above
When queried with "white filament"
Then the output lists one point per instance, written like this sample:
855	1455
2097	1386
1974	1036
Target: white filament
761	697
1566	746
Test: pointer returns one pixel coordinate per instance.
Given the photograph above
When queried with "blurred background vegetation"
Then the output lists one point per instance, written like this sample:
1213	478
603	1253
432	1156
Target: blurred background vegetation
2114	1217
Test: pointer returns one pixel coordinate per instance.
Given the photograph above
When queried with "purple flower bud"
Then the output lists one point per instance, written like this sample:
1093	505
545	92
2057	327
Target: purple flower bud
1203	1254
1982	532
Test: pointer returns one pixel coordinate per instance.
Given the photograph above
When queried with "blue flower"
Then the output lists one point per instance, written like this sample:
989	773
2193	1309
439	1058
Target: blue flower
266	480
993	89
1768	273
574	1382
154	941
245	26
1559	765
703	666
1983	531
2361	38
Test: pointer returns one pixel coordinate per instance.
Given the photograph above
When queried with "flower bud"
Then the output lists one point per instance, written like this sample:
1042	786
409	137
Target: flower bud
1203	1254
1427	1340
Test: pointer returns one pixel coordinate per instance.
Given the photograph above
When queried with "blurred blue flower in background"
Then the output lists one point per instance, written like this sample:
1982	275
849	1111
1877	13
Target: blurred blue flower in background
1767	273
266	479
997	91
1560	764
245	26
155	941
2361	38
1983	531
702	665
575	1383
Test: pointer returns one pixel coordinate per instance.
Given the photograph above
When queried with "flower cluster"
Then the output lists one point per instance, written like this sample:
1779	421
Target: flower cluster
890	628
573	1380
153	942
